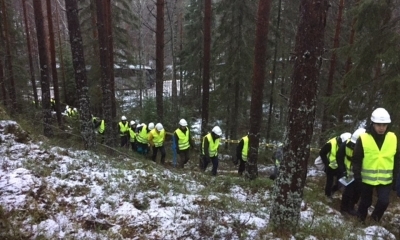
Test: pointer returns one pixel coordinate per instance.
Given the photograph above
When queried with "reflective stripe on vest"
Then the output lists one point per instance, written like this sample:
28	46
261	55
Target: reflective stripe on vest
245	149
142	136
212	147
132	135
332	154
123	128
183	139
377	165
158	137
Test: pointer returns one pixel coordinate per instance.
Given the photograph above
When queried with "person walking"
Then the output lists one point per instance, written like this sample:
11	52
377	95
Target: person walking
183	142
328	156
123	129
277	157
242	152
344	157
156	140
210	145
142	138
375	164
132	134
99	126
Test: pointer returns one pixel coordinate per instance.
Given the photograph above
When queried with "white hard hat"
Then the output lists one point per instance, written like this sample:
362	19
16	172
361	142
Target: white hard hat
183	122
66	107
151	126
217	130
132	122
357	134
123	118
345	136
380	115
75	109
159	127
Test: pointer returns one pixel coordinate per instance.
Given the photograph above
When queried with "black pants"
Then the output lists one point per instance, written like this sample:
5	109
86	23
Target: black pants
183	157
350	196
124	141
383	192
332	180
162	150
214	161
133	146
242	166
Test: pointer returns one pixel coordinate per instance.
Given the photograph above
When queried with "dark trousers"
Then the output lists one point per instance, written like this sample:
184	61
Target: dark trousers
142	148
242	166
332	180
124	141
162	150
133	146
383	192
183	157
214	161
350	196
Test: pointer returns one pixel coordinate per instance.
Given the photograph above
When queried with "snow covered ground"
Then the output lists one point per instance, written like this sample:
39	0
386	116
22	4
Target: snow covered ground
49	192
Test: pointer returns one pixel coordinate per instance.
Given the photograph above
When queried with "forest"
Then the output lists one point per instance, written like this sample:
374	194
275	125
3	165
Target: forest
281	72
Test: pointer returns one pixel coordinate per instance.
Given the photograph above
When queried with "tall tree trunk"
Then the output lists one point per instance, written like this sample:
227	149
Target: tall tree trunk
28	43
44	71
272	90
160	59
326	121
105	75
111	60
288	188
12	91
61	58
260	61
53	63
348	65
78	61
2	84
206	67
171	13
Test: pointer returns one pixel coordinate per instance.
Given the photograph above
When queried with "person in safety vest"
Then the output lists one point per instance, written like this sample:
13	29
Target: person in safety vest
183	142
53	104
142	138
242	153
156	141
328	156
209	149
123	129
132	134
344	157
100	127
375	164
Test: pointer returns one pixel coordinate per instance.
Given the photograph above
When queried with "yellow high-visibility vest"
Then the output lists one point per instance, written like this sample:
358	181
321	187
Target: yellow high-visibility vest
348	159
132	135
123	128
245	149
377	165
213	146
183	139
157	137
142	136
332	154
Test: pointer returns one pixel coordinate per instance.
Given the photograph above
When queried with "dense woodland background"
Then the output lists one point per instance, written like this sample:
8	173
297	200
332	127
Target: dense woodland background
282	71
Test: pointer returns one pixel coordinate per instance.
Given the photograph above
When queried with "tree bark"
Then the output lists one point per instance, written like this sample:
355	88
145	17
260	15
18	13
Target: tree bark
105	75
44	71
160	59
206	67
288	188
28	43
2	85
78	61
260	61
61	59
54	64
9	65
111	60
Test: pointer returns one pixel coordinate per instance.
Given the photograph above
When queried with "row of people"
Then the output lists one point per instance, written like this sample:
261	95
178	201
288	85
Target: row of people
366	160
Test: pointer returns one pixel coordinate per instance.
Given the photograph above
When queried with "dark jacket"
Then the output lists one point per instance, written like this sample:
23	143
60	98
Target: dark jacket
358	154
